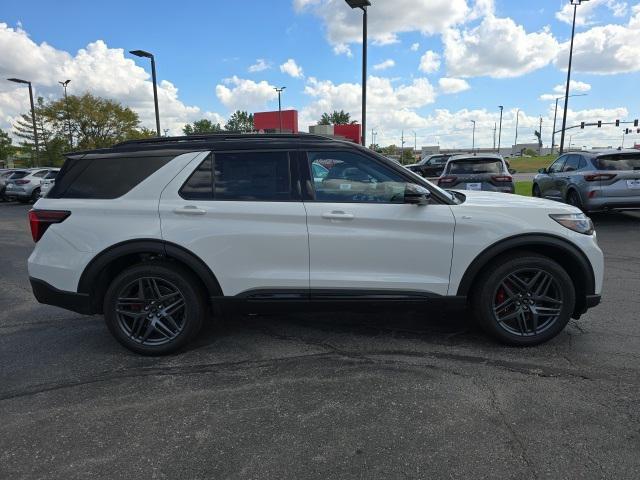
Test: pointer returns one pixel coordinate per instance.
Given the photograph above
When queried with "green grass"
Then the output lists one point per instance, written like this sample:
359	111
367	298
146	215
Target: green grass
524	188
531	164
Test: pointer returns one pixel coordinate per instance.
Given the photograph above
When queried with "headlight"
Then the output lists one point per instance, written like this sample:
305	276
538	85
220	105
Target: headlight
578	222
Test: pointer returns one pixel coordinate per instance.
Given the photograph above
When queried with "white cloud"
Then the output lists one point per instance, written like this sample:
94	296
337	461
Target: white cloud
385	65
415	47
574	87
242	94
587	12
497	48
430	62
453	85
97	69
342	49
387	19
607	49
260	65
290	67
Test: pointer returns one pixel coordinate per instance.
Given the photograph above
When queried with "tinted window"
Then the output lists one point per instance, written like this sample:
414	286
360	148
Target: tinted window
619	162
353	178
104	178
200	184
557	165
252	176
51	174
572	164
475	167
17	175
41	173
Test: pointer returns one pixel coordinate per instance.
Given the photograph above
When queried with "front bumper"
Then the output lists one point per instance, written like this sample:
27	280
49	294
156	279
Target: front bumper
49	295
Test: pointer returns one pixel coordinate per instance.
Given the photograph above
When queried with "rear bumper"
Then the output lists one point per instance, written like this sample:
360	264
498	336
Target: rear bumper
49	295
593	301
613	203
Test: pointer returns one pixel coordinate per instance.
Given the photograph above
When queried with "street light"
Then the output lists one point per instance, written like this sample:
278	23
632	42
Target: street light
363	4
555	117
142	53
66	103
473	145
501	107
280	90
33	115
517	121
575	4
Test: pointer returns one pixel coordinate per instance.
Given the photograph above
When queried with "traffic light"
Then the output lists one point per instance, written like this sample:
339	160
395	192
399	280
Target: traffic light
627	131
617	123
582	125
635	124
639	130
599	123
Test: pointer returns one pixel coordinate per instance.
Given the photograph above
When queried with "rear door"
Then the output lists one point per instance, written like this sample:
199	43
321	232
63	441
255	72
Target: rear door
241	213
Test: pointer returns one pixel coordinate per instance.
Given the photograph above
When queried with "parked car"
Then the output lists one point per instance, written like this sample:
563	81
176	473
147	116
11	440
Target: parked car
27	188
5	177
431	166
483	172
592	181
155	233
48	182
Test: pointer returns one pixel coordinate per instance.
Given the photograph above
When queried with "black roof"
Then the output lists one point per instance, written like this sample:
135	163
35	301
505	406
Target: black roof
218	141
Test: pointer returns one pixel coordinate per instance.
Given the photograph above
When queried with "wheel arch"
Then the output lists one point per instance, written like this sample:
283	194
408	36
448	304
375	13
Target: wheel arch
558	249
97	275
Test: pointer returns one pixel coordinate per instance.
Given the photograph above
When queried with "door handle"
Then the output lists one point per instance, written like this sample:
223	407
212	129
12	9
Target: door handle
190	210
335	215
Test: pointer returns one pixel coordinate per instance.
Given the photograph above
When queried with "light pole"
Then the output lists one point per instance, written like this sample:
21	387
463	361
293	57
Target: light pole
280	90
415	142
66	104
555	117
363	4
33	116
575	4
517	121
142	53
501	107
473	142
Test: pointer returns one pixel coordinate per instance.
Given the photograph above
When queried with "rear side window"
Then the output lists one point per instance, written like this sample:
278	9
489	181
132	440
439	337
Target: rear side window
572	164
243	176
104	178
619	162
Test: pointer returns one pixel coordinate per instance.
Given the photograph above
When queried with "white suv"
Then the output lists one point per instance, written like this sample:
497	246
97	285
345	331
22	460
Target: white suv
158	234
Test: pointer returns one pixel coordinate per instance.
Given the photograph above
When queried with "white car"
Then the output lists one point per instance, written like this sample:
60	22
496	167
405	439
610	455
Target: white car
47	182
156	233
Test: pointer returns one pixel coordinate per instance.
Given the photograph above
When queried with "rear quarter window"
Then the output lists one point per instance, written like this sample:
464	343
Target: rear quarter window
104	178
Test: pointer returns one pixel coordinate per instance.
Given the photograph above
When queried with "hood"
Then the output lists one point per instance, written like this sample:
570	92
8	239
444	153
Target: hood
495	199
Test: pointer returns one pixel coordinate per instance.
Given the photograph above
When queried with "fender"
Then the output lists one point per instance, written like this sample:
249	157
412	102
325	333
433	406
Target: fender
535	242
93	270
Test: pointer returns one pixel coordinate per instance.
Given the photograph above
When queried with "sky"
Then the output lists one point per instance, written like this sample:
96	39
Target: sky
434	65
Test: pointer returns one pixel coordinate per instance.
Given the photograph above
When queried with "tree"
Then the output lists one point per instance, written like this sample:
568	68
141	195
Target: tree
336	118
6	148
201	127
46	129
240	122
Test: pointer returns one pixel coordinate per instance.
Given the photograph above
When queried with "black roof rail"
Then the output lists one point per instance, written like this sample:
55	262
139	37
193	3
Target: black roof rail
220	137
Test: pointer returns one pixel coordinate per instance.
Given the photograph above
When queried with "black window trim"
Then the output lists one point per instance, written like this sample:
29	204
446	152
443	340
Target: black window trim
295	193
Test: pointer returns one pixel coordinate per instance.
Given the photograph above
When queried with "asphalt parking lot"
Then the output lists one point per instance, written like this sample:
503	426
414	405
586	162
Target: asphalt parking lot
321	395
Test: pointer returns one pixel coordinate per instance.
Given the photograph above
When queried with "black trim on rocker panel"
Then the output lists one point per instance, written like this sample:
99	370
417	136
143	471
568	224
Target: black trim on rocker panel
49	295
523	242
95	268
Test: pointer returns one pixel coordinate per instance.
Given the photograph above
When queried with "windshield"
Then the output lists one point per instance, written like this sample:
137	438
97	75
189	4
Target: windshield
475	166
619	162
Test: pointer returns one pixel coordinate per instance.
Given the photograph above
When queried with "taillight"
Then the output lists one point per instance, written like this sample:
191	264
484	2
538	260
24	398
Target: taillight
22	182
502	178
448	180
39	221
596	177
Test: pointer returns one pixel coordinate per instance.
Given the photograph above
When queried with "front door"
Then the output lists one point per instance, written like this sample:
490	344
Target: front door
364	238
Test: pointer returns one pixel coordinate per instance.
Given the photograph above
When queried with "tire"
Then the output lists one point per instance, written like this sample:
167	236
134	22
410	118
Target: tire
503	307
35	195
536	191
170	293
573	198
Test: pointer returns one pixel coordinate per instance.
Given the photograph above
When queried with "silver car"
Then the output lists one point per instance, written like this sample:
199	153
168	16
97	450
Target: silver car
27	187
592	181
477	172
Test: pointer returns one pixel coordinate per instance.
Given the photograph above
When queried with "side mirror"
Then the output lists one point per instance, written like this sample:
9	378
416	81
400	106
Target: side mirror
512	171
542	170
416	195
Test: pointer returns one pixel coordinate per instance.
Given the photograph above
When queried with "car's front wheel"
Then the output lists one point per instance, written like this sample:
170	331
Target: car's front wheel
536	191
524	299
154	308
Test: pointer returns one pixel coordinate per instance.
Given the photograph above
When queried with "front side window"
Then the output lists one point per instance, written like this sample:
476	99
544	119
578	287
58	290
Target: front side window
556	167
353	178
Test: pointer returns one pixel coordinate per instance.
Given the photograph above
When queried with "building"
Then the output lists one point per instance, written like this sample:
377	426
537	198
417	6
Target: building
269	122
352	132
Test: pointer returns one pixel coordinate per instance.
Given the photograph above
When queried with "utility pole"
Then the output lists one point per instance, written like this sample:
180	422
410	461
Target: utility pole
473	141
495	128
66	104
517	121
500	132
541	143
280	90
415	142
402	148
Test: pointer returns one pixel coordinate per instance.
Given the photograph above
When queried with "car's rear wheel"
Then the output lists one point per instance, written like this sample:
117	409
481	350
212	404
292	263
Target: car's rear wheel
155	308
524	299
35	195
573	198
536	191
